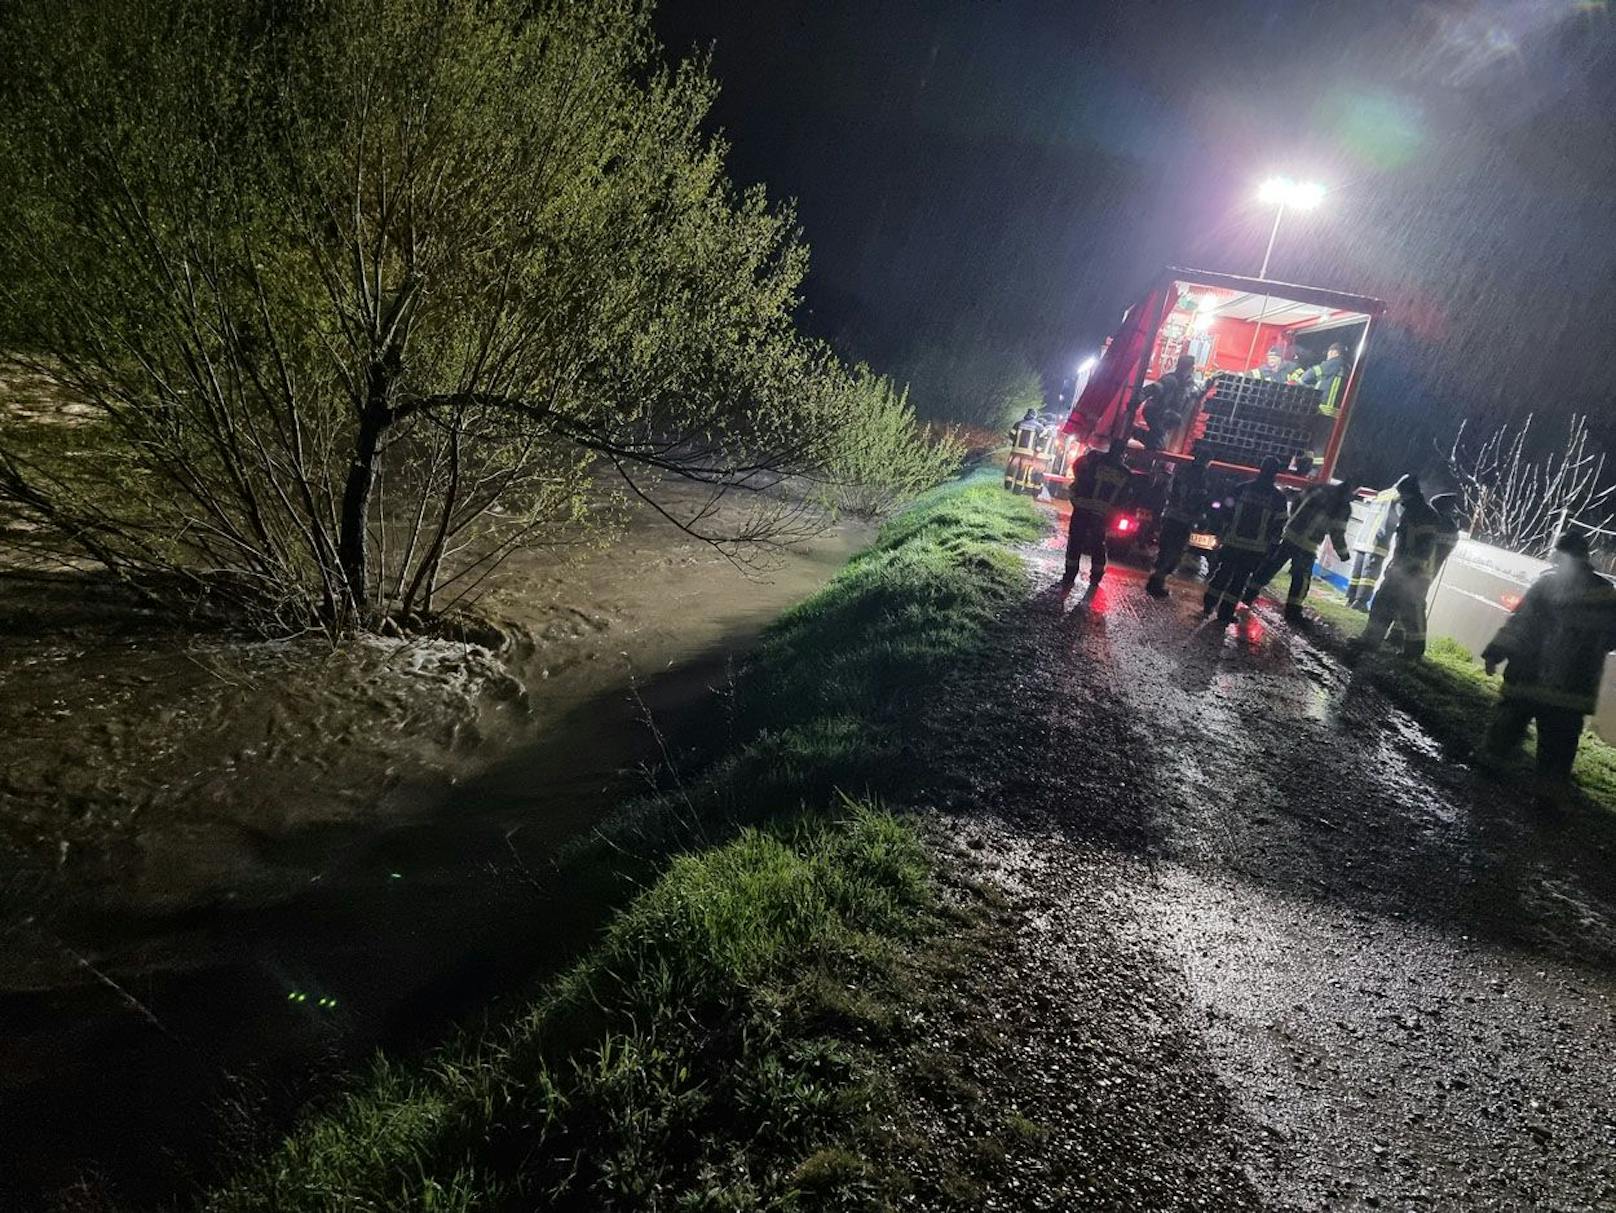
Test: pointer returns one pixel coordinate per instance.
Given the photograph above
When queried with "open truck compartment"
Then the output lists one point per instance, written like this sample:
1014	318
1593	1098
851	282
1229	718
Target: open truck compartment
1243	420
1227	324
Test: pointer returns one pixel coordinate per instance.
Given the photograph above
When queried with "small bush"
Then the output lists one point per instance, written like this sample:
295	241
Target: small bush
882	456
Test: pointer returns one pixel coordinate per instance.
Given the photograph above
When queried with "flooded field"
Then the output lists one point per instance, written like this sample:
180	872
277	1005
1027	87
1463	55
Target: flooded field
230	868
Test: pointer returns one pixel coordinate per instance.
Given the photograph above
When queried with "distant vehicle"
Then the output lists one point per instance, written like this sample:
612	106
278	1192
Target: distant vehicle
1227	324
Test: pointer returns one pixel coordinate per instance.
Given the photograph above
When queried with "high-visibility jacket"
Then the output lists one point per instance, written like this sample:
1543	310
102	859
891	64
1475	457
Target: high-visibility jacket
1024	438
1100	485
1374	535
1186	493
1330	375
1256	517
1322	512
1555	642
1421	535
1286	372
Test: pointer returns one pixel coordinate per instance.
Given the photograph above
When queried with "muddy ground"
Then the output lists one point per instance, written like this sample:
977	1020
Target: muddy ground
227	867
1264	945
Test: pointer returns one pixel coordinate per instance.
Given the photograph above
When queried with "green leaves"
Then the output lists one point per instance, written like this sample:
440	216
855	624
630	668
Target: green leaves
970	382
366	292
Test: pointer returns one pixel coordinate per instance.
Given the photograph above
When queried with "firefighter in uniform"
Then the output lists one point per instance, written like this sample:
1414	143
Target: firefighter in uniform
1024	438
1330	377
1254	523
1553	652
1167	402
1101	485
1323	512
1043	457
1186	498
1370	546
1401	598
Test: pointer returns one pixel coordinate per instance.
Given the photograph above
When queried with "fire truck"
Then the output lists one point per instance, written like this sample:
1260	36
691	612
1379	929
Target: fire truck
1227	325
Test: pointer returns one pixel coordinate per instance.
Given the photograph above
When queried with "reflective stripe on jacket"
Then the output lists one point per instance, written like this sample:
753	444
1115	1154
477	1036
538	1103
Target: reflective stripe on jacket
1329	376
1420	535
1024	438
1256	518
1320	513
1186	494
1099	486
1555	642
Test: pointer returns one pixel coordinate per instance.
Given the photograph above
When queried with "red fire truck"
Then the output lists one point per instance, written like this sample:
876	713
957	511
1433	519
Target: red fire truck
1227	324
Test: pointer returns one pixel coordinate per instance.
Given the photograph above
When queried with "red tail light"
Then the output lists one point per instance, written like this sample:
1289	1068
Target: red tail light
1122	525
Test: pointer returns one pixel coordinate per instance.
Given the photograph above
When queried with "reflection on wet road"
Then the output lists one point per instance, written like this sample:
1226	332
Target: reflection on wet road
1405	983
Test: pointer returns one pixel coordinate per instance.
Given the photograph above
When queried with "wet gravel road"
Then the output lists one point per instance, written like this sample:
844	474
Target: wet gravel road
1275	948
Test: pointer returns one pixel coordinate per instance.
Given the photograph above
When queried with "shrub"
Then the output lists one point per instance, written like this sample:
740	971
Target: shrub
882	456
361	295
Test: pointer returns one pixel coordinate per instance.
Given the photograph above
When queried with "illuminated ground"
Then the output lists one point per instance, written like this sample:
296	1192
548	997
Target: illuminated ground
1272	946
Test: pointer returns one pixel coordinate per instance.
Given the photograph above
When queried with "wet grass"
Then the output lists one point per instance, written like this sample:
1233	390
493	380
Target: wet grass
831	700
712	1051
684	1064
1453	696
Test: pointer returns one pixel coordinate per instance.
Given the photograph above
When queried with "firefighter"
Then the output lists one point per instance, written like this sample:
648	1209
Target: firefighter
1101	485
1024	437
1370	545
1255	519
1330	377
1553	653
1401	597
1276	368
1043	456
1166	403
1186	498
1323	512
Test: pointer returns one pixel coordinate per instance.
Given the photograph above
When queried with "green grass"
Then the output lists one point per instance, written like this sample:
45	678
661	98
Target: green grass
709	1053
682	1065
833	695
898	616
1452	695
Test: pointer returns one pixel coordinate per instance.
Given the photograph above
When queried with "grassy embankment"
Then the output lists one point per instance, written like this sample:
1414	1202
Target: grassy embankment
711	1052
1452	695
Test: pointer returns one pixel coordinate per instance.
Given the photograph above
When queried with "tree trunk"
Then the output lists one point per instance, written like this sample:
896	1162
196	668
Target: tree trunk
351	543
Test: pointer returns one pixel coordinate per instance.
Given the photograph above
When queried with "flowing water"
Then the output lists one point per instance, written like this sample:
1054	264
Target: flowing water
229	868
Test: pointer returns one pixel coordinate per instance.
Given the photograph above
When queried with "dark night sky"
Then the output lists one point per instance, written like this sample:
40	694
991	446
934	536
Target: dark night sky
1017	169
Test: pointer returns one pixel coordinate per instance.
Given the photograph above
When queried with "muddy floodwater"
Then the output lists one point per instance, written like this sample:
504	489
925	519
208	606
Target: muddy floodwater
230	868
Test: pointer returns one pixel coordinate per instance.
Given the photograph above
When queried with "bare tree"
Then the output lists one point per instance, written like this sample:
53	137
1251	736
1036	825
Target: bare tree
1521	500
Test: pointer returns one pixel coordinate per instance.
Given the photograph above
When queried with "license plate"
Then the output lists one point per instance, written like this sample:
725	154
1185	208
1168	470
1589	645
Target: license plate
1199	539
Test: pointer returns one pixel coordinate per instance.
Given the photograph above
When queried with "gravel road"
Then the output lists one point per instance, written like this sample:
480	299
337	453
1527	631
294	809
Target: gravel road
1317	962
